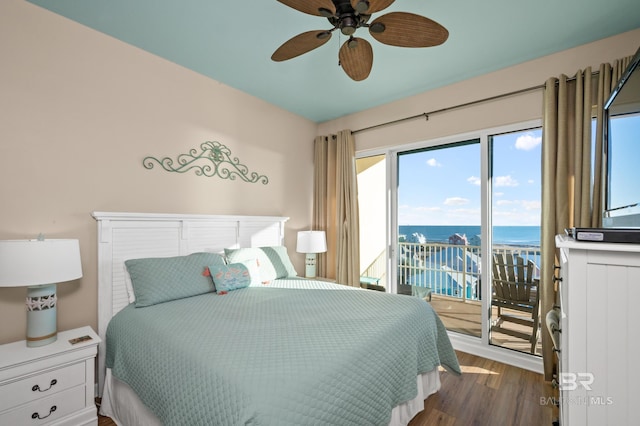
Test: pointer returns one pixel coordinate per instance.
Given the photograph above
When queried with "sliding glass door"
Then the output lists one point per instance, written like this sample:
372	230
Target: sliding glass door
438	252
515	218
465	210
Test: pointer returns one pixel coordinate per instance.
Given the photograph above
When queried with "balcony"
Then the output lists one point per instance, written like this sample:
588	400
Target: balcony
451	274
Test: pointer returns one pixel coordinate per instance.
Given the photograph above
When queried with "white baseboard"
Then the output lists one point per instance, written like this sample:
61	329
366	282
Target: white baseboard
475	346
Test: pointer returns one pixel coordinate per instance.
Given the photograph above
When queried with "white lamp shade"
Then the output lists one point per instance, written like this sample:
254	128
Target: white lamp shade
311	242
37	262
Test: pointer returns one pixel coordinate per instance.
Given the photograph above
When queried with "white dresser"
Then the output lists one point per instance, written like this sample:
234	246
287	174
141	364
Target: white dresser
52	384
600	333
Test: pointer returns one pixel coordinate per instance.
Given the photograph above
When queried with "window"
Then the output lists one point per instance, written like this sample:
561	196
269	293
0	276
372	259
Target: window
455	199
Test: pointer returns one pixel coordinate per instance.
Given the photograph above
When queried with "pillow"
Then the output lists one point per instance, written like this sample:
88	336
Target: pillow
161	279
266	269
280	260
254	272
127	283
231	277
273	261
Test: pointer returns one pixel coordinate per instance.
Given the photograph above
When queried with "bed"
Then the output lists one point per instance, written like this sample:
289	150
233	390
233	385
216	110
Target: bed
220	348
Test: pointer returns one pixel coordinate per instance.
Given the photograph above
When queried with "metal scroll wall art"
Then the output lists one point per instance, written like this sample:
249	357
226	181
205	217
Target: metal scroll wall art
213	159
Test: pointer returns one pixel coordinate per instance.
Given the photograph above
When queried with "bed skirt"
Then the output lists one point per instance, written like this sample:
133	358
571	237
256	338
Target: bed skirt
122	405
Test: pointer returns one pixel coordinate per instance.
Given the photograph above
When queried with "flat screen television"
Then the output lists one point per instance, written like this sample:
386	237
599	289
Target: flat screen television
622	151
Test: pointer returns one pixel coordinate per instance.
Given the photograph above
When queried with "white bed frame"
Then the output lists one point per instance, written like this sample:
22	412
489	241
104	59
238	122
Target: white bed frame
123	236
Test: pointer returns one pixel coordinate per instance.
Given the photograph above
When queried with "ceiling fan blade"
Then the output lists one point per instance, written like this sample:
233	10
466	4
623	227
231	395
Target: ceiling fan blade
356	58
302	43
408	30
312	7
372	7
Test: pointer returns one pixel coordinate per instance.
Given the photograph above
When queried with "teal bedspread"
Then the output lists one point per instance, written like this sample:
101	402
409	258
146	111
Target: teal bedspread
278	356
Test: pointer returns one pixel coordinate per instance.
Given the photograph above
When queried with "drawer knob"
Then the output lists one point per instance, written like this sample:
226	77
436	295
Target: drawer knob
37	388
36	415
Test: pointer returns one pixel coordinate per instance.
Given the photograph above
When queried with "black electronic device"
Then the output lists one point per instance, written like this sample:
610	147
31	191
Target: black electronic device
606	235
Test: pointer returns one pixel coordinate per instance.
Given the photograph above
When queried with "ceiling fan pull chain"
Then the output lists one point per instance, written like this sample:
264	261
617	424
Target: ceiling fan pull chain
339	44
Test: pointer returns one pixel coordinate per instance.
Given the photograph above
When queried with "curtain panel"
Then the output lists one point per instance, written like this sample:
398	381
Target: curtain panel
571	197
335	207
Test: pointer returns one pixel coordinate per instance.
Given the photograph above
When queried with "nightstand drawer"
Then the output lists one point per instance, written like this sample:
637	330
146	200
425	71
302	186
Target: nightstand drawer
41	386
47	409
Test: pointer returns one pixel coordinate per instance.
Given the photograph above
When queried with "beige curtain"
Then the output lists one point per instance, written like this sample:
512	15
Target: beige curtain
335	207
569	197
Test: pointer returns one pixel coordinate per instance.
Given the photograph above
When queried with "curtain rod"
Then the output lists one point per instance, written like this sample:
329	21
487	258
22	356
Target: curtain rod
438	111
479	101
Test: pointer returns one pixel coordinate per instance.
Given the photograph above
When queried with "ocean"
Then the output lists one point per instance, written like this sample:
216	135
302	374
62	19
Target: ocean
508	235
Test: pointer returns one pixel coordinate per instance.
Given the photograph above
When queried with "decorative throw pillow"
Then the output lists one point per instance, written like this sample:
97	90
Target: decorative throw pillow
254	272
161	279
232	277
273	261
267	271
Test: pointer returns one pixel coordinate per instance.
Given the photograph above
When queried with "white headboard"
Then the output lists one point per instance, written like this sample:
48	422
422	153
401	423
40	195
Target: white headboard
123	236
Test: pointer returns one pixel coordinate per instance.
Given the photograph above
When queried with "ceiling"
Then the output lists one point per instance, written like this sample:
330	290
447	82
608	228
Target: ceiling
232	42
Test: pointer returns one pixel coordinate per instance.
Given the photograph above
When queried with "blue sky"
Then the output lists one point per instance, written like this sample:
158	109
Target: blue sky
442	186
625	173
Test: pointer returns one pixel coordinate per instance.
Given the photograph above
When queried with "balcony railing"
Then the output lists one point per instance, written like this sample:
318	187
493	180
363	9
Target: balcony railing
448	269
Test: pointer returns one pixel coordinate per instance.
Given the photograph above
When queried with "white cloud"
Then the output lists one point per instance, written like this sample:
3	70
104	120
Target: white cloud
504	181
498	194
531	181
456	201
528	142
432	162
474	180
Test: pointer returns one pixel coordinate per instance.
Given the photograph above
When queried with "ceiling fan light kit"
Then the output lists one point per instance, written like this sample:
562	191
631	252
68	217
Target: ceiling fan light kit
400	29
361	6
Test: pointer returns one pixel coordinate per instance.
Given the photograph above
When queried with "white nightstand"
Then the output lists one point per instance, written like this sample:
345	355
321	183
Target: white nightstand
49	385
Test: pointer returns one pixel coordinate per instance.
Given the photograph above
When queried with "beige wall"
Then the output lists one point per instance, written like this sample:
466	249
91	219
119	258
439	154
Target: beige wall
80	110
513	109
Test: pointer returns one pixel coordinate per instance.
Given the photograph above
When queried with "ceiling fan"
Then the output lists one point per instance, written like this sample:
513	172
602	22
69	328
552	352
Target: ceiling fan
356	55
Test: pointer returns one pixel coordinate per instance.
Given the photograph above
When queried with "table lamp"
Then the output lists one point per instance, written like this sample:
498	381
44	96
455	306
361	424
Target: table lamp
311	242
39	265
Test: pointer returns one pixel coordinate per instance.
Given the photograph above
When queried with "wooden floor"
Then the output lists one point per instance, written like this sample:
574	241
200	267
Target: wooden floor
105	421
487	393
490	393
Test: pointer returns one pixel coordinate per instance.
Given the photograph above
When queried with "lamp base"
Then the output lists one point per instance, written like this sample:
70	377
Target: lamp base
310	265
42	326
